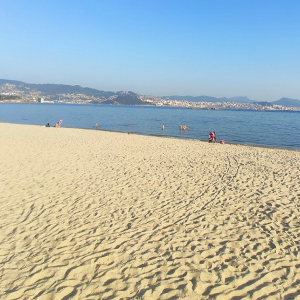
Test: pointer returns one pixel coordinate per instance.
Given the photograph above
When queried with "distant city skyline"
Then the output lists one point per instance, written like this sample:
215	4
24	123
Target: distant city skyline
218	48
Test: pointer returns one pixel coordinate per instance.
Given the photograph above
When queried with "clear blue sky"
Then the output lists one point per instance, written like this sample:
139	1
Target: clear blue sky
159	47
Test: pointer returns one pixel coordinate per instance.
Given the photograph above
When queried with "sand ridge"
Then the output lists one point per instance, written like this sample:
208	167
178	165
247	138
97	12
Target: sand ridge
87	214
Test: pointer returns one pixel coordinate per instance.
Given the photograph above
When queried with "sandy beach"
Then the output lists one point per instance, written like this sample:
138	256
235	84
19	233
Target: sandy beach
89	214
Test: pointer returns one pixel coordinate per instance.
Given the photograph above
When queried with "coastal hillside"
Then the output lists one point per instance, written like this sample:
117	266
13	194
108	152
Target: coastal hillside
10	89
63	92
125	98
56	89
287	102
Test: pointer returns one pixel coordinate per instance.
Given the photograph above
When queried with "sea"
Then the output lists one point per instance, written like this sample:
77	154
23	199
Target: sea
276	129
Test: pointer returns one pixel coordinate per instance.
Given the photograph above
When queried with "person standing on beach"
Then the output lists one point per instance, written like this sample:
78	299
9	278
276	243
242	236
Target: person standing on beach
214	137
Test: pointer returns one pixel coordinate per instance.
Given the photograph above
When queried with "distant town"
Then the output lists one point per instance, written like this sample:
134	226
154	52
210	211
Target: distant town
215	105
19	92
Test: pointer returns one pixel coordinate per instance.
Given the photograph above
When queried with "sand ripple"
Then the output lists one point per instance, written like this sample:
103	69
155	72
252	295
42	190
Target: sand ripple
98	215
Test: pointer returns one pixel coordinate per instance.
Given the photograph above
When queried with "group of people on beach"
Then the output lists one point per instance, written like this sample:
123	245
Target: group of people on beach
212	137
57	124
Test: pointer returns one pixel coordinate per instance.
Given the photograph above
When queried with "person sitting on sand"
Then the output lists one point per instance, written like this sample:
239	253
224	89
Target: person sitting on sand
58	123
47	125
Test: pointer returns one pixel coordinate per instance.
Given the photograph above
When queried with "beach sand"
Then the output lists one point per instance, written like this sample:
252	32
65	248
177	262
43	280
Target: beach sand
87	214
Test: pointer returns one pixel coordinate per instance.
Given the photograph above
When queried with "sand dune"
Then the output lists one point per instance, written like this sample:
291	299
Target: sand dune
86	214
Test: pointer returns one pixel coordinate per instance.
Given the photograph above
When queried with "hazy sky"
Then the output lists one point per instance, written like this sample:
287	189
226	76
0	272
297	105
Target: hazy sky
158	47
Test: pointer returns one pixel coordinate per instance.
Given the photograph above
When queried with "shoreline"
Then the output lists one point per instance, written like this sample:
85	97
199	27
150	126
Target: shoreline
164	136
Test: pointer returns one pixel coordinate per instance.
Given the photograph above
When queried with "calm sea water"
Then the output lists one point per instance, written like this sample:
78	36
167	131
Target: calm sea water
273	129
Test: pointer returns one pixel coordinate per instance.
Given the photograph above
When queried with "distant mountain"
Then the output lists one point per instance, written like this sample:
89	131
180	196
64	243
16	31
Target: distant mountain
125	98
3	81
67	92
209	99
54	91
288	102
